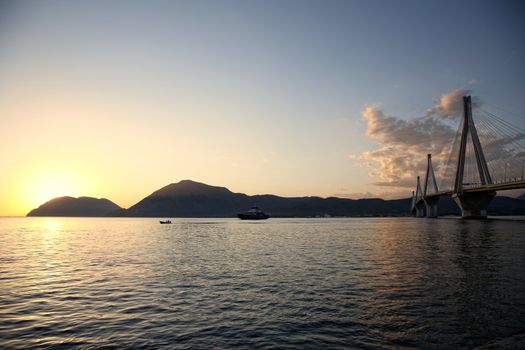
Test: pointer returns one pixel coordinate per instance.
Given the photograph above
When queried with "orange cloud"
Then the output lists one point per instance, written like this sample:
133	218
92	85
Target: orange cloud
404	144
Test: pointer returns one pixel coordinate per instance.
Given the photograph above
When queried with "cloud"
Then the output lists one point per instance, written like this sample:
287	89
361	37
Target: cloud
404	145
422	132
450	105
504	148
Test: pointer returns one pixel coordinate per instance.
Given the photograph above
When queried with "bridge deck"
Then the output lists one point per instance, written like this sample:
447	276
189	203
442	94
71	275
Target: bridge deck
485	188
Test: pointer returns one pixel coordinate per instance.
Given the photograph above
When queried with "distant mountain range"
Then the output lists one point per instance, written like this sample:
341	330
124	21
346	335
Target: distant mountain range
193	199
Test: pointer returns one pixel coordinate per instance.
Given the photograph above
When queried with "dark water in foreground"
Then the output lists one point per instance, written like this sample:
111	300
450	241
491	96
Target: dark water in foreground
283	283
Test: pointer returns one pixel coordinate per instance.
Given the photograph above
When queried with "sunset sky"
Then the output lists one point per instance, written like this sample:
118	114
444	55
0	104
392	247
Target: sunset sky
116	99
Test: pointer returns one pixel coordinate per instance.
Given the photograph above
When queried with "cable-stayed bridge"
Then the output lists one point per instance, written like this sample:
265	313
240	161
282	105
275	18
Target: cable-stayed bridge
486	156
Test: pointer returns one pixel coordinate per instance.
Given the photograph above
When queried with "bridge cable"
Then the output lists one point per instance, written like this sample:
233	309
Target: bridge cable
505	147
489	149
446	183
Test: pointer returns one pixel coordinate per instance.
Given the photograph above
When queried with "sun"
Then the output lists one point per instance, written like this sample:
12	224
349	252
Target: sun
49	185
53	189
38	182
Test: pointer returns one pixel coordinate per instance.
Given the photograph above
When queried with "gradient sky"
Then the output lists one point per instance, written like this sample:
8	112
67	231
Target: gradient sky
116	99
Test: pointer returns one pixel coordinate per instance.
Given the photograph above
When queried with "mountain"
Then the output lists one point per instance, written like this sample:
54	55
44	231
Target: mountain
501	205
193	199
70	206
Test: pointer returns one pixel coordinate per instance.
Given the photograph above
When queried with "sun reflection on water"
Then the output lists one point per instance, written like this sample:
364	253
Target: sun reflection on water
52	225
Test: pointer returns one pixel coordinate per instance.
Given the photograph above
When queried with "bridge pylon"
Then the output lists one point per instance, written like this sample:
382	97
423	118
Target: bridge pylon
472	204
431	202
418	206
413	205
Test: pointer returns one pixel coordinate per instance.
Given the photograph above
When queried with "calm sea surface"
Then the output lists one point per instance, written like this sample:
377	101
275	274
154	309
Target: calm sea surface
283	283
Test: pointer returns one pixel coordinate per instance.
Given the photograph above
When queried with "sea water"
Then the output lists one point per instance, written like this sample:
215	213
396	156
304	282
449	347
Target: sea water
92	283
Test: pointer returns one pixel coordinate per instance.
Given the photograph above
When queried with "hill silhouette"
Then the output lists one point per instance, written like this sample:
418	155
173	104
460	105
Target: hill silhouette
70	206
190	199
194	199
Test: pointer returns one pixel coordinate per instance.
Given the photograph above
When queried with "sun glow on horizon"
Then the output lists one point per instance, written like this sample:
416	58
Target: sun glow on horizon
127	97
45	185
52	187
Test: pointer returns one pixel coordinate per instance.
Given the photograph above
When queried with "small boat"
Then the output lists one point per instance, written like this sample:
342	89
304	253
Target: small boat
253	214
165	222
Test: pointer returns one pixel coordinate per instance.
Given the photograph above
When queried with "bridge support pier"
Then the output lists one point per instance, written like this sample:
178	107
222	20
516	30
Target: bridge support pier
473	205
431	204
420	209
